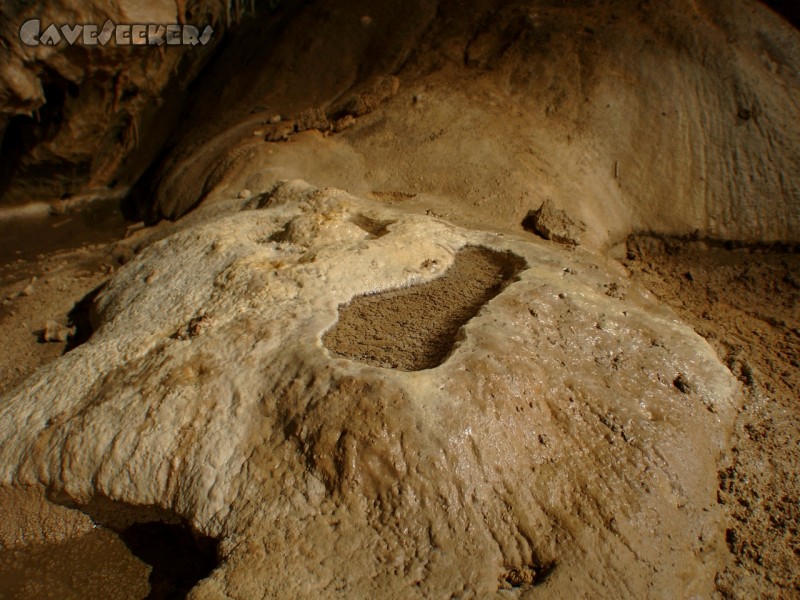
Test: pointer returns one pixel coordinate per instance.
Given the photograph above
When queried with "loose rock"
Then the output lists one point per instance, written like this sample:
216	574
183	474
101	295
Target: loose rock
55	332
554	224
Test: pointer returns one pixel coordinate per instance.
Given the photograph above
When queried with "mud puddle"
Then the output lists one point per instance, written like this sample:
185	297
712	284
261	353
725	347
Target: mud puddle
416	328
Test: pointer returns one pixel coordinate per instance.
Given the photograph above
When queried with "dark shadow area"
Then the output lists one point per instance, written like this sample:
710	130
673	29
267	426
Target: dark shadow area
132	553
80	318
179	559
373	227
251	34
26	131
790	9
179	556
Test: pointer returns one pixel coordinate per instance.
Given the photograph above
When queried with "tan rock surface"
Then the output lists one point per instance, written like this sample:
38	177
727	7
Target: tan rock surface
746	303
552	446
631	116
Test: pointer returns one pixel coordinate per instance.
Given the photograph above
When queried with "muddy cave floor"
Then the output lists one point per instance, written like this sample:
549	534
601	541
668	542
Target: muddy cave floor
744	300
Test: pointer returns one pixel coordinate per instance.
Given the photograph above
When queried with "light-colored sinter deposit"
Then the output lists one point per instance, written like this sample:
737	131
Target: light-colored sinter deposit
566	445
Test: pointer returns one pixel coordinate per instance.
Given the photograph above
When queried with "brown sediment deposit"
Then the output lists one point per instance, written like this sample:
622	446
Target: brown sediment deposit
415	328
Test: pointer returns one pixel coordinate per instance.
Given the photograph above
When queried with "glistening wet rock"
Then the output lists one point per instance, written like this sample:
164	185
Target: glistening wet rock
545	453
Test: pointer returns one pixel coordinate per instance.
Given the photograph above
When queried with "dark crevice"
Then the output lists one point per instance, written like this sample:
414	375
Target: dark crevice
80	319
374	227
789	9
133	552
24	132
179	558
638	242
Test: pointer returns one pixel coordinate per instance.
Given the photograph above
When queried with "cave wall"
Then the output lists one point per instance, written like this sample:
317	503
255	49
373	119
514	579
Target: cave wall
677	119
89	119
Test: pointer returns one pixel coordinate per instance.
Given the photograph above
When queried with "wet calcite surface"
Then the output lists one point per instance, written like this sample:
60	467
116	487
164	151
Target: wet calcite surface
567	441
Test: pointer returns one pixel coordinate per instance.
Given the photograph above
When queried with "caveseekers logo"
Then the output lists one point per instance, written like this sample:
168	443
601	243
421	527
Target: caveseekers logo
31	34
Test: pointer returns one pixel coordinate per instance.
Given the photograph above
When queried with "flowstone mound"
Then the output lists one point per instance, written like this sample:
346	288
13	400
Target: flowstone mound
551	452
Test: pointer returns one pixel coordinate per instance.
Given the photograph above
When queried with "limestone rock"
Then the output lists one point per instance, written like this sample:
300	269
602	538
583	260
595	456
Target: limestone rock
55	332
312	118
544	453
554	224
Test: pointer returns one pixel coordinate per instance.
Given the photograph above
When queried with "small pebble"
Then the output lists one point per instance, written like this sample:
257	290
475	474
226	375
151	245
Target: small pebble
55	332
